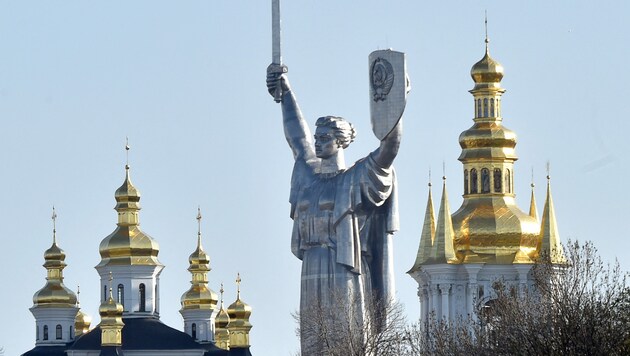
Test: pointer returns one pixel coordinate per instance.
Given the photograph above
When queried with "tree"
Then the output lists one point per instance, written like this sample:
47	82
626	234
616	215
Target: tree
348	329
581	307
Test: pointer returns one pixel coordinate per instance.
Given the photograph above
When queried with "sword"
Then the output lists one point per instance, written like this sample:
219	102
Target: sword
276	65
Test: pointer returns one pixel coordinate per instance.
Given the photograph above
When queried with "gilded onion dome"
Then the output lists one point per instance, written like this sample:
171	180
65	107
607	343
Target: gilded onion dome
54	294
239	313
199	296
489	227
222	325
82	321
487	72
128	245
111	320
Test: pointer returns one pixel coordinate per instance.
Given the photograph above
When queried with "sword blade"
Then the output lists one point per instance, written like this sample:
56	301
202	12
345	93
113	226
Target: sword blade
276	54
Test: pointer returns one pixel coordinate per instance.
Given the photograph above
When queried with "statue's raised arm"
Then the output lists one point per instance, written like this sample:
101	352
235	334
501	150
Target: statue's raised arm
296	129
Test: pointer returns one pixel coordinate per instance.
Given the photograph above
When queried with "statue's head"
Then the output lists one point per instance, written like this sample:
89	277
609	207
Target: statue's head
331	134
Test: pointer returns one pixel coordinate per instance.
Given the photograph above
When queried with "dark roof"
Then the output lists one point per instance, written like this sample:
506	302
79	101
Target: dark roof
141	334
47	351
138	334
111	351
240	352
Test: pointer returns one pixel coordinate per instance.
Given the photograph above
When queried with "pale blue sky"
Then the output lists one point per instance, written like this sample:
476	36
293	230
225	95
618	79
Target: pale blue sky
185	80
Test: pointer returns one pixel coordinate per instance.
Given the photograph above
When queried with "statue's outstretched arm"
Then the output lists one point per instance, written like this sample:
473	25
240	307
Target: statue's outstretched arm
296	129
385	154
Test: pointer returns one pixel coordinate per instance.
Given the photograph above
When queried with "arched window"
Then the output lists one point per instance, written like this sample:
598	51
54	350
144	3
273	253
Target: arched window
485	107
121	295
45	332
194	331
71	334
485	180
58	332
36	332
104	293
143	293
508	181
465	181
497	180
492	107
473	181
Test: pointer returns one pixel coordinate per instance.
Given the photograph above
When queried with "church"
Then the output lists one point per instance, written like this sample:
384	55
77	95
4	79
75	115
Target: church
488	238
460	256
130	323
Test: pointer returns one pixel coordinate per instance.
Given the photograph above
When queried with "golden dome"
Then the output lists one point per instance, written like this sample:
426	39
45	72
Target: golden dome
110	309
128	245
489	226
54	293
487	72
199	296
82	323
221	326
487	140
127	195
222	320
239	311
493	230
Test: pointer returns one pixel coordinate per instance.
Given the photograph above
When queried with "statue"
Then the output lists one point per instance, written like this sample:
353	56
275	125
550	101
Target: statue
343	217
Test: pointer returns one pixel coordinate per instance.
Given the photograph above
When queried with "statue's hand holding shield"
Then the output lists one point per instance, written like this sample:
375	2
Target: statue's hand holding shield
389	86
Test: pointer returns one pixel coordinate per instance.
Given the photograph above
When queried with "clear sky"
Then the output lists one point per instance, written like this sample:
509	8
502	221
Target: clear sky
185	80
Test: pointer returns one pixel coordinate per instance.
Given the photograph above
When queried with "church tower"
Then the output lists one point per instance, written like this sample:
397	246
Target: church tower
489	237
54	306
130	256
199	302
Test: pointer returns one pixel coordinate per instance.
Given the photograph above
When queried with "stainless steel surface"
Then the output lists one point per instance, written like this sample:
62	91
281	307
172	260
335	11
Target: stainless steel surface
344	217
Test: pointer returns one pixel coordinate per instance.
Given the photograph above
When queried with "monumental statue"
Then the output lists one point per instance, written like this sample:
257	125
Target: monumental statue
343	217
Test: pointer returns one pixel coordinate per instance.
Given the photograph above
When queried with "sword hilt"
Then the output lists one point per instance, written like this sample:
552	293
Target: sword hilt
277	69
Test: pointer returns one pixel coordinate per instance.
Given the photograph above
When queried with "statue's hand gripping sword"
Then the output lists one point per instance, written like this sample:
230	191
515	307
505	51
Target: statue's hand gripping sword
276	65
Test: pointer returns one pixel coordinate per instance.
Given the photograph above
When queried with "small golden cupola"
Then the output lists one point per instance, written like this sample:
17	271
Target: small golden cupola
240	326
54	293
54	306
82	321
199	302
128	245
199	296
489	226
222	325
111	324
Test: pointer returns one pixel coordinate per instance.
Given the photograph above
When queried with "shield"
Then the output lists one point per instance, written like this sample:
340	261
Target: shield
389	86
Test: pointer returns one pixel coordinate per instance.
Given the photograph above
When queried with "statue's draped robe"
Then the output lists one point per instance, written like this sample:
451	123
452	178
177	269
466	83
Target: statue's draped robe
343	224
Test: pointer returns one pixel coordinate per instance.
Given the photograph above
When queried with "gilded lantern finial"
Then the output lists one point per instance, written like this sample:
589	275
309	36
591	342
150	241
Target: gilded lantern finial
222	324
82	321
199	296
54	293
111	319
128	244
239	313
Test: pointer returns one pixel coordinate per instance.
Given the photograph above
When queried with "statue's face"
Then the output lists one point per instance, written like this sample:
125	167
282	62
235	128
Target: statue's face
325	142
